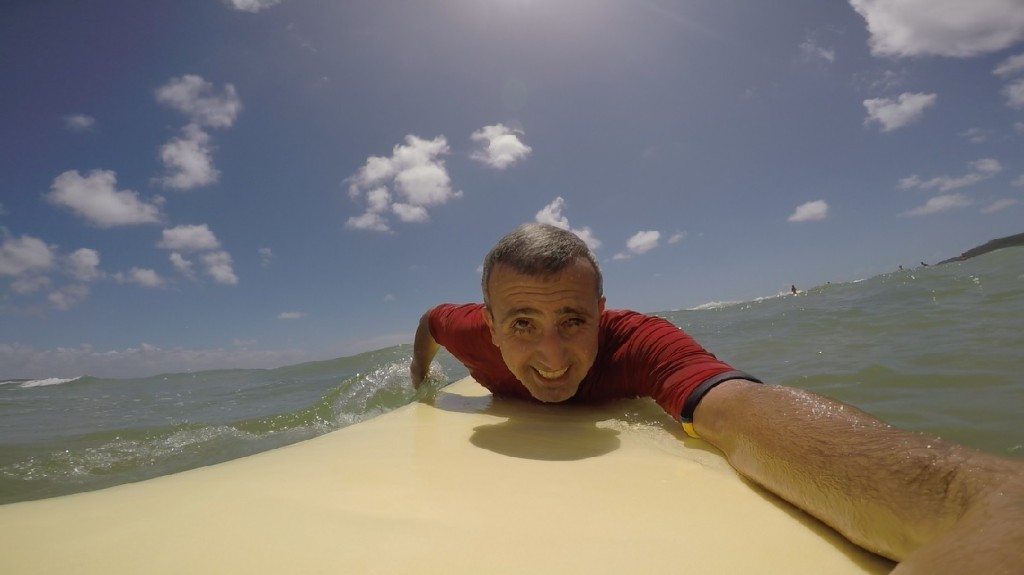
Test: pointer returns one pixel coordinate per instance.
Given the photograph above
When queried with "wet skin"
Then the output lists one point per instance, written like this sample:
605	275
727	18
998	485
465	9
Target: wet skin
546	327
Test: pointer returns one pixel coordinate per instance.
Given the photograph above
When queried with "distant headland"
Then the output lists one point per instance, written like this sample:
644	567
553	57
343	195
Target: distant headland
1008	241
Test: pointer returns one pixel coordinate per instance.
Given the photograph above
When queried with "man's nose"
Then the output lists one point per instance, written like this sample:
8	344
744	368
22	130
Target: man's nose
551	349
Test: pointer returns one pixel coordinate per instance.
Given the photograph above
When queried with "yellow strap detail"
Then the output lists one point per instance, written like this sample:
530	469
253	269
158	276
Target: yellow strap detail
690	430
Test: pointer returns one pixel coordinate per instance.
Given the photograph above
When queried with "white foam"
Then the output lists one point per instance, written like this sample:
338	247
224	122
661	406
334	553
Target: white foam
714	305
48	381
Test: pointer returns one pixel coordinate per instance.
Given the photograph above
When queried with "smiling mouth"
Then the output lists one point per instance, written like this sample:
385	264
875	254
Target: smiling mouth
551	375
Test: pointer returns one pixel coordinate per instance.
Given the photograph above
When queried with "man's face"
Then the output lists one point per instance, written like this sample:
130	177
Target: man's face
546	327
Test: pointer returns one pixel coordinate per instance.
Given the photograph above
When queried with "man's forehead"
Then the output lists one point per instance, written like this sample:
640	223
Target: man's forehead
571	290
529	310
576	271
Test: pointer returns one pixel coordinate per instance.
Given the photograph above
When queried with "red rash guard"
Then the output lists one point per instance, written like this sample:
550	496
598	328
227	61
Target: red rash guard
638	356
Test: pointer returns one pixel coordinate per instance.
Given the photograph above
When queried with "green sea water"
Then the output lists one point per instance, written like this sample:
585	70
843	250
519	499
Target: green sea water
937	349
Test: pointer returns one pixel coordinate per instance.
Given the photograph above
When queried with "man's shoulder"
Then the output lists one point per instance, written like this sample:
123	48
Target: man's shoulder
621	327
612	318
622	324
465	309
452	316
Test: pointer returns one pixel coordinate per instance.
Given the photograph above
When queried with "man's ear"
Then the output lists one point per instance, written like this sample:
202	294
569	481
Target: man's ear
600	305
489	320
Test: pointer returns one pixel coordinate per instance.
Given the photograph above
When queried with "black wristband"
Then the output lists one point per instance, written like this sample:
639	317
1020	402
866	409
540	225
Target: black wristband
690	405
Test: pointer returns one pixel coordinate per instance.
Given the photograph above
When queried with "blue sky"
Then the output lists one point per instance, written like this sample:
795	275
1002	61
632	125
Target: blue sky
203	184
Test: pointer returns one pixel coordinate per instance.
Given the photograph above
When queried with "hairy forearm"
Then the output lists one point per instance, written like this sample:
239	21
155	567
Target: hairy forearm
424	348
888	490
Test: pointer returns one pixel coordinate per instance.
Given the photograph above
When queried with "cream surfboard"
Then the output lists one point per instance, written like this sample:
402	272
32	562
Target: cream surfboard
459	483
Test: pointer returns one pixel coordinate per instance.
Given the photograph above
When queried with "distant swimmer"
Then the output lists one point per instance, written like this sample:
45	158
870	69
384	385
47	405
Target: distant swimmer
924	265
901	267
792	288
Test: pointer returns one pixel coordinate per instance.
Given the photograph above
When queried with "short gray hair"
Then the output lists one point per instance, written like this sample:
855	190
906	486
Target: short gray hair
539	250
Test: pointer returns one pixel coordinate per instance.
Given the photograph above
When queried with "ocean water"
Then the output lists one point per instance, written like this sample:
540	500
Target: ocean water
937	349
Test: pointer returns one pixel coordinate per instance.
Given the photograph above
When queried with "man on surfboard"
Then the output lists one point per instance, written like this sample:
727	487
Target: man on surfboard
543	333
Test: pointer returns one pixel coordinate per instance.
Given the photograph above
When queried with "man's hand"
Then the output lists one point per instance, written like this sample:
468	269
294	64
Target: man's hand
936	506
417	373
424	348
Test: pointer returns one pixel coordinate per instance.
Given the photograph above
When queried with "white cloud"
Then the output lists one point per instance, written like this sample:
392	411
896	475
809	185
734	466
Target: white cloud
983	169
1014	92
892	114
552	214
23	255
988	166
252	6
370	221
377	200
389	297
639	243
83	265
954	28
810	50
27	258
95	198
188	160
499	146
416	175
375	171
410	213
79	122
183	265
30	284
144	277
425	185
677	237
999	205
196	98
909	182
68	296
940	204
643	241
144	360
189	238
266	256
1010	66
1019	181
1019	126
809	212
975	135
218	266
286	315
416	168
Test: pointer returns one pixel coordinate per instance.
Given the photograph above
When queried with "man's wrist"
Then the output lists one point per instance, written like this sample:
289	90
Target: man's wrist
693	400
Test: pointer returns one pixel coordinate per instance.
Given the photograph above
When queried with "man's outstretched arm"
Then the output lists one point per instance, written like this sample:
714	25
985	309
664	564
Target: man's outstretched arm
936	506
424	348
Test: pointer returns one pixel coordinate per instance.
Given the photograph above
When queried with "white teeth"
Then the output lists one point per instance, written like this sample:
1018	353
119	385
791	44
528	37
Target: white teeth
552	374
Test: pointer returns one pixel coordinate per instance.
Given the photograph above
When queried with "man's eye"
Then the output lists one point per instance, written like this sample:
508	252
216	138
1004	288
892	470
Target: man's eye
573	322
520	326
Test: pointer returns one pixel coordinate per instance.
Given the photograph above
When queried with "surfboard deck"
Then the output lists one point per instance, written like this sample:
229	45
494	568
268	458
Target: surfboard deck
459	483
